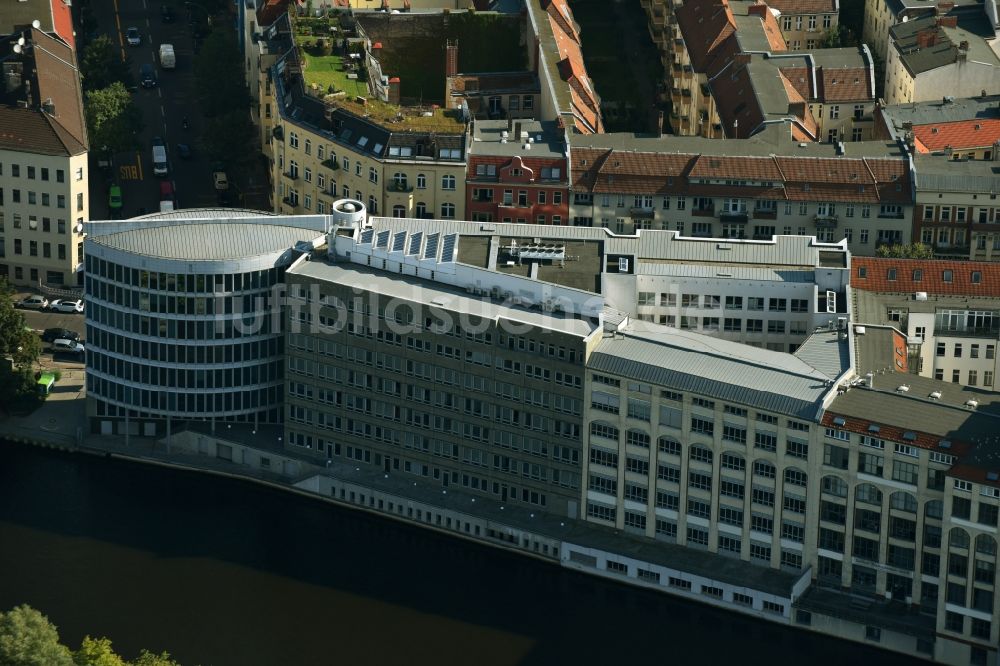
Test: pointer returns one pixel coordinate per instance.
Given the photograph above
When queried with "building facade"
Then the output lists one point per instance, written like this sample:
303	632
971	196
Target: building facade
700	189
183	318
803	24
518	172
956	207
44	183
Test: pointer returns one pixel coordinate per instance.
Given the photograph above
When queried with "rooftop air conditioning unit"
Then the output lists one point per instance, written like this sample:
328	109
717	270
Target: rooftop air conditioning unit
902	388
971	404
920	296
935	395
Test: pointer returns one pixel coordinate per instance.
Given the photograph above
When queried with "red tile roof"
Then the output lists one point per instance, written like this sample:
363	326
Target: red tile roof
798	79
738	168
931	276
705	25
843	84
893	433
975	133
584	99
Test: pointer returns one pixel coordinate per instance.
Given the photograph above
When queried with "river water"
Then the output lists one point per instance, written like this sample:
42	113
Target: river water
221	572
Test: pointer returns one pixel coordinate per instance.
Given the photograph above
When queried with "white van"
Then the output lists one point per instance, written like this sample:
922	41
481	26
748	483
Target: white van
160	161
167	58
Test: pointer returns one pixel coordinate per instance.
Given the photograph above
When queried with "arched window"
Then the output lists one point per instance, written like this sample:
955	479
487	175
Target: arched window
934	509
733	461
420	210
868	494
834	485
958	538
796	477
763	469
903	501
701	454
604	429
399	211
421	181
634	437
669	445
986	544
373	205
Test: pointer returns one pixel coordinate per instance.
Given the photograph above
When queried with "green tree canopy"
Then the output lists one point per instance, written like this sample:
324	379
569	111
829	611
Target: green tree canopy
229	137
148	658
16	340
906	251
27	638
102	65
112	118
97	652
219	79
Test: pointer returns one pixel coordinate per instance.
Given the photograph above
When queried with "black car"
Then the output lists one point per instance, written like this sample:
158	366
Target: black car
147	76
184	151
50	334
167	13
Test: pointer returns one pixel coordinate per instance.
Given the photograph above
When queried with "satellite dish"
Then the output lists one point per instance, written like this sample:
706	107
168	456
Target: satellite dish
17	48
20	41
36	24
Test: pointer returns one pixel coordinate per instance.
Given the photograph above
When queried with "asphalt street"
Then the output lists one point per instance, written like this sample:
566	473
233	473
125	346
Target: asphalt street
163	109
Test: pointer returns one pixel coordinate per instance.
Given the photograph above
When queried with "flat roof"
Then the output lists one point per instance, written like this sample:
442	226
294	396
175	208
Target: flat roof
436	294
713	367
547	140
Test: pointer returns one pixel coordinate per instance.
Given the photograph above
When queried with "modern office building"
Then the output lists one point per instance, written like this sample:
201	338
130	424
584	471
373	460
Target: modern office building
44	197
181	318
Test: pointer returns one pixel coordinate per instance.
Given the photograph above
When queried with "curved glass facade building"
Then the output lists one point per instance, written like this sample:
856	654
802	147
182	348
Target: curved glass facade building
184	316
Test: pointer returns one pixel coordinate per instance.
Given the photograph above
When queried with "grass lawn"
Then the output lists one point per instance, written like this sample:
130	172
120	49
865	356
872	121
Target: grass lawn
326	71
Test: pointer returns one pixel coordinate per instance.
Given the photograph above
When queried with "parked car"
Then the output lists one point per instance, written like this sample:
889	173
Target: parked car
184	151
62	345
33	303
51	334
147	76
167	13
115	198
166	191
67	305
133	37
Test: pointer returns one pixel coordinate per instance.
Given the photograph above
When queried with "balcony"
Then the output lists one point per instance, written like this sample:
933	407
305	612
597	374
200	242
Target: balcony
734	216
826	221
705	211
888	215
290	176
395	186
641	213
288	201
331	164
762	214
278	133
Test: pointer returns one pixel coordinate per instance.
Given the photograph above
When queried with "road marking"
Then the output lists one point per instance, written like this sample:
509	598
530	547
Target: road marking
138	161
163	112
159	91
144	4
128	172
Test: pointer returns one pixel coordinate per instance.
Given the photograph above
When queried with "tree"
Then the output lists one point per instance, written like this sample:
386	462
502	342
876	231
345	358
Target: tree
219	79
905	251
16	340
112	118
836	37
102	65
229	138
27	638
97	652
148	658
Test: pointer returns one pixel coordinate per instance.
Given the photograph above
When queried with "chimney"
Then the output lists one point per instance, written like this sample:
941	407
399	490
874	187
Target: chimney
742	58
517	131
394	90
947	21
926	38
945	7
510	122
963	46
758	9
451	58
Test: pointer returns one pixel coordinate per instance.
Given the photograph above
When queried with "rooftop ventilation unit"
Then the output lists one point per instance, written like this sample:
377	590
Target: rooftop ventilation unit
972	403
902	388
935	395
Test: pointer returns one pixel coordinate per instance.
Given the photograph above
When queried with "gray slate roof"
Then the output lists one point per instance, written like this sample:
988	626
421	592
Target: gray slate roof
715	368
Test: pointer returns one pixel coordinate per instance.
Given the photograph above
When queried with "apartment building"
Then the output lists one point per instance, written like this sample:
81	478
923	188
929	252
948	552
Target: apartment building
962	128
933	57
949	312
517	172
804	22
882	15
861	192
44	197
956	207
